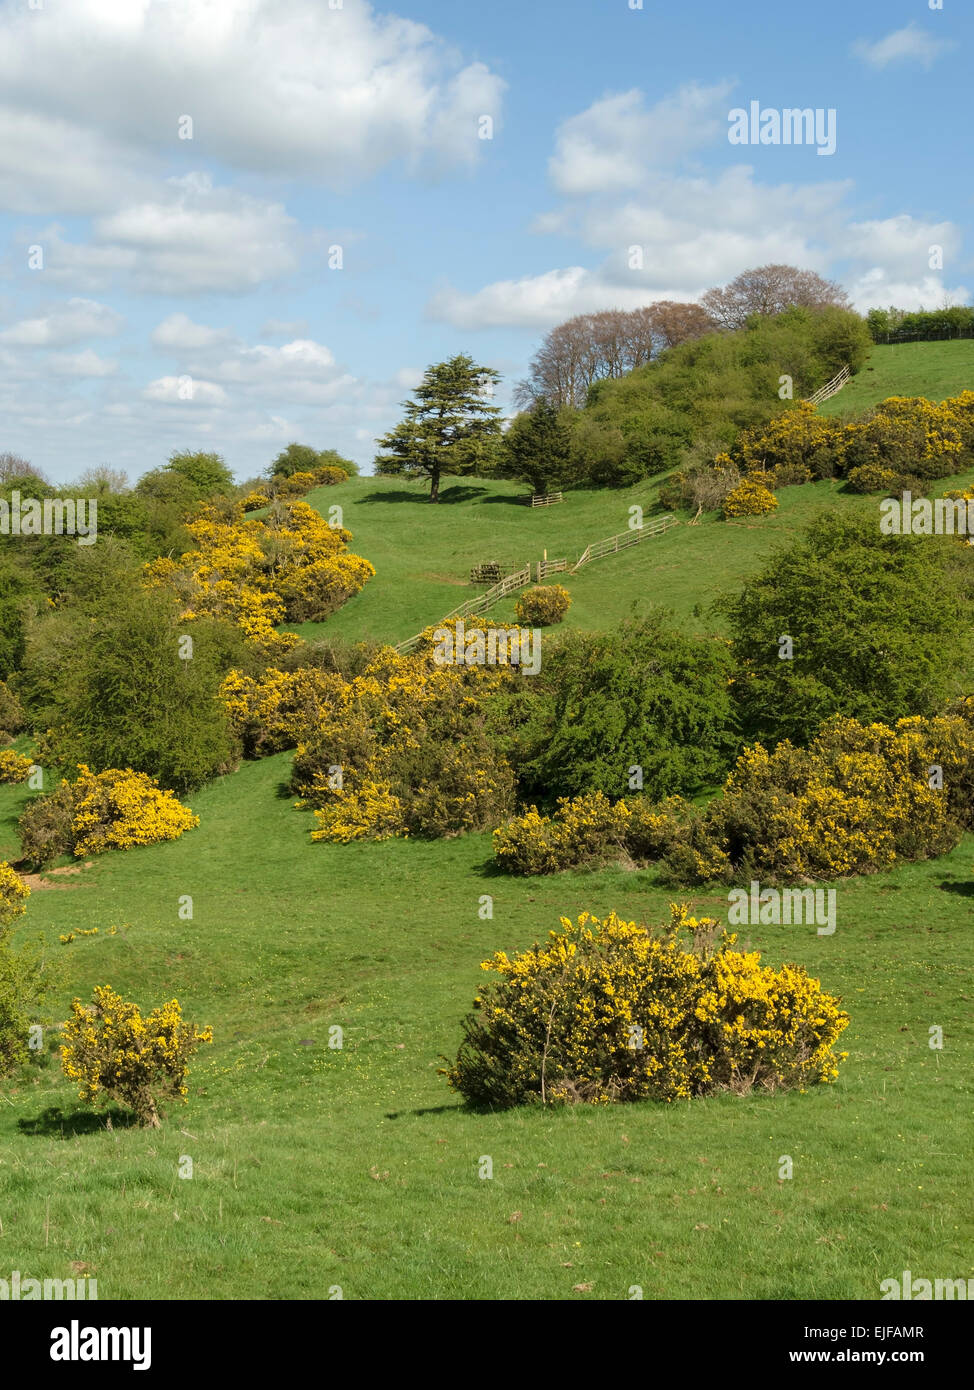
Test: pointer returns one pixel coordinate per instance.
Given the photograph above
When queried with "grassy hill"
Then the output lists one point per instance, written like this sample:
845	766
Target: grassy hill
358	1168
423	553
934	370
317	1168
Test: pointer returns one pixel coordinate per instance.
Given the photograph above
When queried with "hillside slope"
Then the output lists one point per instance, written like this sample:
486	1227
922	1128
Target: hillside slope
934	370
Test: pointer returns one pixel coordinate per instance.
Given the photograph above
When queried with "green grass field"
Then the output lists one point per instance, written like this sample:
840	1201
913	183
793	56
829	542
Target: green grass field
934	370
317	1168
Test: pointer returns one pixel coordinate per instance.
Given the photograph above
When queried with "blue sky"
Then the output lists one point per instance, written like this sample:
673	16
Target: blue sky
183	297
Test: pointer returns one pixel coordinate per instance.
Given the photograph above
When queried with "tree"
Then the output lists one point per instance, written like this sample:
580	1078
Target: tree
13	468
877	627
537	448
102	480
643	695
208	473
612	343
301	458
769	289
116	682
450	425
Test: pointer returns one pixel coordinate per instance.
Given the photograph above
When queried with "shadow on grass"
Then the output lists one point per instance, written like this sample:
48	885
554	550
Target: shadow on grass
427	1110
53	1122
458	493
514	500
963	887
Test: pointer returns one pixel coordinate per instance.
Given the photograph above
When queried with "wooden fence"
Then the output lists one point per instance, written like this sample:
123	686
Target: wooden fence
546	567
546	499
830	387
480	604
623	540
542	568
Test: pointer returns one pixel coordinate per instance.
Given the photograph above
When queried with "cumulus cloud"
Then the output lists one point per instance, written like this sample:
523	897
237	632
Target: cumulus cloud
187	237
908	45
69	323
184	390
608	147
330	94
178	333
664	233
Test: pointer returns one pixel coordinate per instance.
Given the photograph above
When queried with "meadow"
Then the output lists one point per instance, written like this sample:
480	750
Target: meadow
319	1169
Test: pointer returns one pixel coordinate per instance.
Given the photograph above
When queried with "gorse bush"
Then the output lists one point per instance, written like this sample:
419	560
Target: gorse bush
13	895
859	799
542	606
14	767
46	826
587	829
608	1010
24	982
258	572
280	708
109	1047
119	809
116	809
403	749
749	498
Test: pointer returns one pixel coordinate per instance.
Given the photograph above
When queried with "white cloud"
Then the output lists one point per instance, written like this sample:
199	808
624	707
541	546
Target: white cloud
178	333
294	88
878	287
679	236
198	238
910	44
303	371
609	147
670	234
284	328
184	390
85	364
71	323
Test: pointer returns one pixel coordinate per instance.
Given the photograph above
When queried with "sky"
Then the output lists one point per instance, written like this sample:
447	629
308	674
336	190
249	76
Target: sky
230	224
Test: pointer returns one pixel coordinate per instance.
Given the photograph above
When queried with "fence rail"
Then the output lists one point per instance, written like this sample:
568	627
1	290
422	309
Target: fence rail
922	335
546	499
623	540
512	582
830	388
546	567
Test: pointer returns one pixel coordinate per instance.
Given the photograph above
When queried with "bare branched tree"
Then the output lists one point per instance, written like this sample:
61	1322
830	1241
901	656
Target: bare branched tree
769	289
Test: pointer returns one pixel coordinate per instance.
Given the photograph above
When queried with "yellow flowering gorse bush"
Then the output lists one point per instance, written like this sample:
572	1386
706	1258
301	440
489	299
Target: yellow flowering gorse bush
257	572
14	767
118	809
108	1047
609	1010
749	498
859	799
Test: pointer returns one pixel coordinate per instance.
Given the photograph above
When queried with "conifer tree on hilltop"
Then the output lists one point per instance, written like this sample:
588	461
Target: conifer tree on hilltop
451	427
